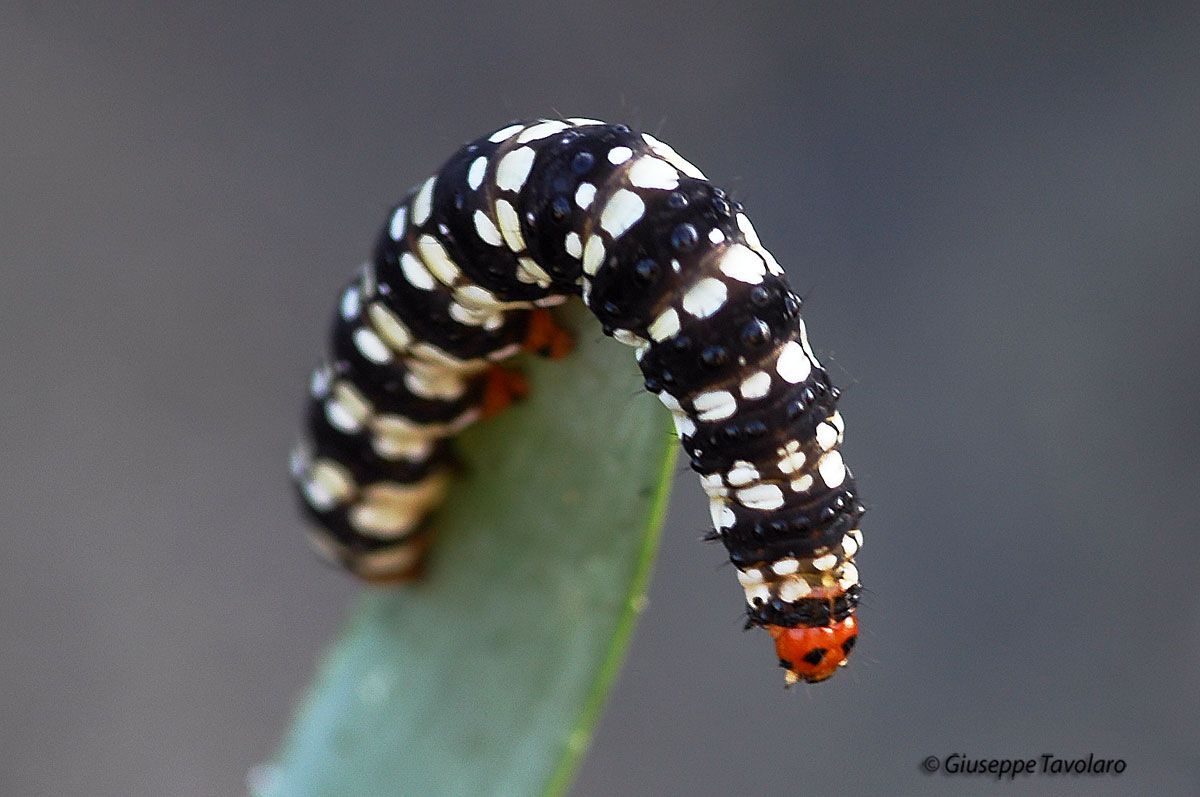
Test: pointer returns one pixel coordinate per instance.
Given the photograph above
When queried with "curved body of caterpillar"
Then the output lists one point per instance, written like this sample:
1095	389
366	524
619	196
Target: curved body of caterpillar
523	219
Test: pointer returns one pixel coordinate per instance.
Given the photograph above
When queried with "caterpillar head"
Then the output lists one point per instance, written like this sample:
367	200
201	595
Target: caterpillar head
812	654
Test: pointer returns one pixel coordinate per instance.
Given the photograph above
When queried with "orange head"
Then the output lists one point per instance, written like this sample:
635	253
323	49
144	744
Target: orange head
813	654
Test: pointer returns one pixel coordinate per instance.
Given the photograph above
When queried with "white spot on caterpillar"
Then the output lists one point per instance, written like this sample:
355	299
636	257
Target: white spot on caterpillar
827	435
750	578
743	223
423	203
328	484
387	561
802	484
793	590
469	316
476	172
510	225
477	296
752	238
705	297
849	546
714	405
437	260
716	237
804	342
742	264
761	496
513	169
792	461
628	338
722	514
839	423
389	326
433	383
666	325
618	155
593	255
351	303
486	228
622	211
849	576
824	563
712	484
832	469
758	595
415	272
371	347
684	426
540	131
584	195
391	509
409	449
573	245
504	133
529	271
398	224
583	121
671	156
742	473
384	522
670	402
651	172
787	566
756	386
318	385
793	366
347	409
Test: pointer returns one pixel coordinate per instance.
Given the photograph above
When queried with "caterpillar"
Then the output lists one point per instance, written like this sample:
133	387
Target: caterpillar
461	276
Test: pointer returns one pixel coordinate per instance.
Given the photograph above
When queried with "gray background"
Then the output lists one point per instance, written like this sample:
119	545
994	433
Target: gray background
990	209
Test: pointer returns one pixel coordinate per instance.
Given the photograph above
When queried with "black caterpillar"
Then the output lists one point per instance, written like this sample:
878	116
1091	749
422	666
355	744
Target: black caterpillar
522	220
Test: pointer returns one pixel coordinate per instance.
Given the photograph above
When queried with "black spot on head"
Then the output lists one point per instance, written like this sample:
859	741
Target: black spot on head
583	162
714	356
755	429
560	207
646	271
815	656
849	644
684	237
760	296
721	204
785	664
756	333
677	200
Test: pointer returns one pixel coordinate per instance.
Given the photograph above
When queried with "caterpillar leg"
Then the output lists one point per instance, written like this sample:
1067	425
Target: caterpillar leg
502	386
545	337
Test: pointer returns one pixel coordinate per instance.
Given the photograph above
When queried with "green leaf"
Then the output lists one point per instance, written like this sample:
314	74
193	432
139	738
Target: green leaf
488	676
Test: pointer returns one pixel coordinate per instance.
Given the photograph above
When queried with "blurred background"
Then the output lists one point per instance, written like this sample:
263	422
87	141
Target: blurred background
992	210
